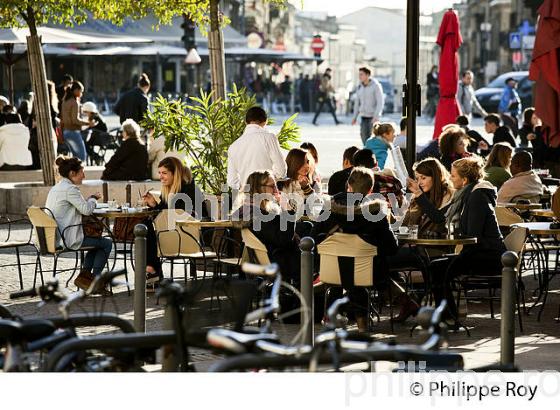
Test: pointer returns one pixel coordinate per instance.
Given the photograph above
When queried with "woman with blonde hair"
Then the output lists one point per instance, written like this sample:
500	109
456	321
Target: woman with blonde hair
175	179
381	141
498	163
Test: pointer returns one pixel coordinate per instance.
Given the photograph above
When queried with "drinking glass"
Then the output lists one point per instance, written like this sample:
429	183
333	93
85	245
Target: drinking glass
413	231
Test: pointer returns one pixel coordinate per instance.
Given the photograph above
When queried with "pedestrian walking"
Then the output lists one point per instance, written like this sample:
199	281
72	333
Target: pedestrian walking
72	122
368	104
134	103
432	93
324	96
466	97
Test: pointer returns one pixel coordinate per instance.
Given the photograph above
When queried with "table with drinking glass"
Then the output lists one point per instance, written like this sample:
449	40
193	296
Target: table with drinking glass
105	214
537	231
519	206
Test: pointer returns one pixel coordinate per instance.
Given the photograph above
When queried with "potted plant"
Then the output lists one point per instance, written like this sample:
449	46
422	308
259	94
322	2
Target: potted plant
204	129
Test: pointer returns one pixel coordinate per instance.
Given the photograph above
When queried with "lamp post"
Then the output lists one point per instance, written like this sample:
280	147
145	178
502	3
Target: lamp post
485	29
192	55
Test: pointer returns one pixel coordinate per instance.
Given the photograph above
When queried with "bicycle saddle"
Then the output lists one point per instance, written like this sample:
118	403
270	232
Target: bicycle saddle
28	330
236	342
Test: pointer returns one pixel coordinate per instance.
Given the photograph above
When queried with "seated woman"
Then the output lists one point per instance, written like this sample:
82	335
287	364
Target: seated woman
300	181
381	142
68	206
498	163
471	213
263	200
453	143
175	179
130	161
313	166
431	194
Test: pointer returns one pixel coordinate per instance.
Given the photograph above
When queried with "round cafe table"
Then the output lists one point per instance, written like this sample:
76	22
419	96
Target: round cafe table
449	240
518	206
226	223
116	213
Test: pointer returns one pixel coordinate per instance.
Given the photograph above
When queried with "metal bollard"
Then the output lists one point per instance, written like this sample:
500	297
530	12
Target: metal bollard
140	232
507	333
170	361
105	187
307	245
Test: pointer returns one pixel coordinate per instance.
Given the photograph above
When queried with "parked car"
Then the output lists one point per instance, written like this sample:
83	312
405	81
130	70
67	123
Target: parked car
489	96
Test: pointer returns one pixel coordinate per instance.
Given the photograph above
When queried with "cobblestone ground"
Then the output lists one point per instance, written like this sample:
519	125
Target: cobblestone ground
537	348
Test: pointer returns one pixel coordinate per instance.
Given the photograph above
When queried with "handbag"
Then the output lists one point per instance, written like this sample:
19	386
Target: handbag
123	229
92	227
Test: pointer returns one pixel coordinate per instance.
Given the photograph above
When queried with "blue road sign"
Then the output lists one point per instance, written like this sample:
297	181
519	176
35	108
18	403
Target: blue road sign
515	41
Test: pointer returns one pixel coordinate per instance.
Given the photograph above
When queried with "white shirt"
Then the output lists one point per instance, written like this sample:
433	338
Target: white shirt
256	150
68	205
14	142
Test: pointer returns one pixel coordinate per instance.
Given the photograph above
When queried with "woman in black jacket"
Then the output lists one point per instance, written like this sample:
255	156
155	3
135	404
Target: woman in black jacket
130	162
259	210
178	191
471	214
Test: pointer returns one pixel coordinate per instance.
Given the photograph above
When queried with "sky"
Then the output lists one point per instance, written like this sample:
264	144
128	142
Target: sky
342	7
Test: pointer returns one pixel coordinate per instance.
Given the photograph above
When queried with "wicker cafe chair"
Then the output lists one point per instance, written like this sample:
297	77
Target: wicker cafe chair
514	242
255	250
46	230
182	244
8	243
341	249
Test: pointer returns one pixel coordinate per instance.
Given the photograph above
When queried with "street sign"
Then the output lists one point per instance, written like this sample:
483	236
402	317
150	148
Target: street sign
528	42
317	45
515	41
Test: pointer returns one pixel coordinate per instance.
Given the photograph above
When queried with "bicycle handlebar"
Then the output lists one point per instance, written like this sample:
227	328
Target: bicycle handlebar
260	270
271	304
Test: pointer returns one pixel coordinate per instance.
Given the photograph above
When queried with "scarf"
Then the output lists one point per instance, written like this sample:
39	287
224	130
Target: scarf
453	214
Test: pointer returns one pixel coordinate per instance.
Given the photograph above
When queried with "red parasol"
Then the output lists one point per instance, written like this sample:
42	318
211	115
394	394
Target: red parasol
449	39
545	69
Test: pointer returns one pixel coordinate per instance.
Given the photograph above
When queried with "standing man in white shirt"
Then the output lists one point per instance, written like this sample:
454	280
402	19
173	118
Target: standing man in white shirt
369	103
256	150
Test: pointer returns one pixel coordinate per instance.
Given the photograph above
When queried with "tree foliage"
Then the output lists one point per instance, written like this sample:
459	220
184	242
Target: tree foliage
14	13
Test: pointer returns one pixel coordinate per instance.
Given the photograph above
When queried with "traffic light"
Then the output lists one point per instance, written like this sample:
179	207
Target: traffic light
188	38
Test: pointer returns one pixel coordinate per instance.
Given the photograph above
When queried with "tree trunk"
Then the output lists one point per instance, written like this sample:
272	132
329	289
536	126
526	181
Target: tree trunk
216	52
45	132
42	108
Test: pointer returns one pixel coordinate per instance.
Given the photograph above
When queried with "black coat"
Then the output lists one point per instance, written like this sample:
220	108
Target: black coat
503	134
478	219
376	233
130	162
133	104
337	181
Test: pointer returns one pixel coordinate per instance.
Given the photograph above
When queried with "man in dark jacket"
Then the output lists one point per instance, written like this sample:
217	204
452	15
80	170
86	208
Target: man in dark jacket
501	133
368	220
337	181
134	103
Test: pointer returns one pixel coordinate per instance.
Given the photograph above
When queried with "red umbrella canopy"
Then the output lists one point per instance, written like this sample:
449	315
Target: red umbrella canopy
449	39
545	69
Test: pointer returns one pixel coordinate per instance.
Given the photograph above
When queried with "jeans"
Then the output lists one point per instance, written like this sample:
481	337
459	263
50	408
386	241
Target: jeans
323	101
75	142
96	259
366	127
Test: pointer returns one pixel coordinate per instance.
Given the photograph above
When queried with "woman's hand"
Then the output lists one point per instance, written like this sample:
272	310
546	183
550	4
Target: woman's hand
149	200
96	196
303	180
531	137
483	146
413	187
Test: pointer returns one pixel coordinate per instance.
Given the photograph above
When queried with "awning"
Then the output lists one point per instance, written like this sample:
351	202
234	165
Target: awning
64	36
